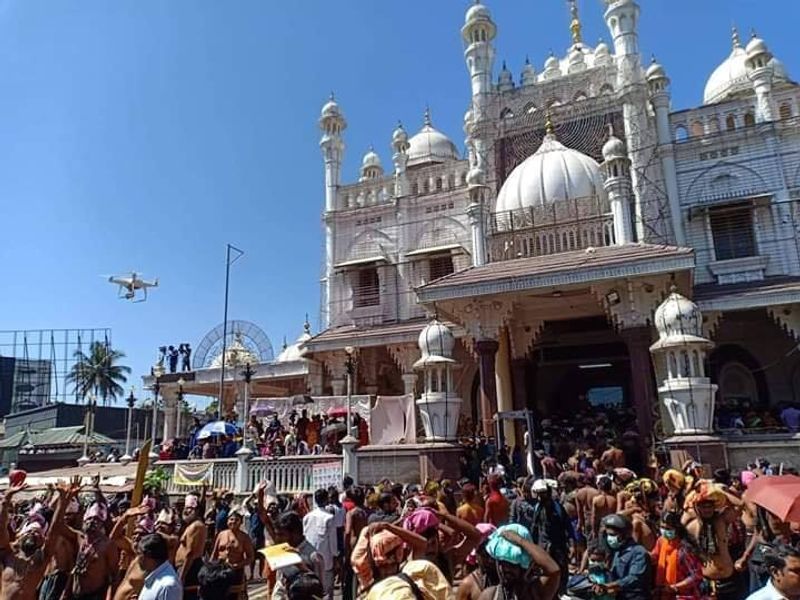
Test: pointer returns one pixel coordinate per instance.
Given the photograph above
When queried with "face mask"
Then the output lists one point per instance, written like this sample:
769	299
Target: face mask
596	565
668	534
613	541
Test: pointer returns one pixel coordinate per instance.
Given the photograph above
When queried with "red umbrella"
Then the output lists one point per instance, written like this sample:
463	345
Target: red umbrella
780	495
335	411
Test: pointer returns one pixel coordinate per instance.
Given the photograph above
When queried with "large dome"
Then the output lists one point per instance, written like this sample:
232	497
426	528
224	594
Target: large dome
430	146
237	354
729	80
551	174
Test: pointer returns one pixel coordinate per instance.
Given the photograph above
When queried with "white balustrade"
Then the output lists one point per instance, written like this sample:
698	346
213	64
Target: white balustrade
289	475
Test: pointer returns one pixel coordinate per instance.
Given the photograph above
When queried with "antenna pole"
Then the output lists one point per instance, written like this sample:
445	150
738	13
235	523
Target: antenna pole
228	263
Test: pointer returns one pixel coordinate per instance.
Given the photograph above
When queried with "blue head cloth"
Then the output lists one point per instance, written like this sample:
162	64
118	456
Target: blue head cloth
500	548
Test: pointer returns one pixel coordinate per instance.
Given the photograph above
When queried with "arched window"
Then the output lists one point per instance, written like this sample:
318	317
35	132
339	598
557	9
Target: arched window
426	186
451	181
737	386
580	96
730	122
785	111
749	119
681	135
713	125
438	184
606	89
415	188
697	129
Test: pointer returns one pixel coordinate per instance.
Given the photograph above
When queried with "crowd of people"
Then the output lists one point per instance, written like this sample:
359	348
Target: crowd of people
587	526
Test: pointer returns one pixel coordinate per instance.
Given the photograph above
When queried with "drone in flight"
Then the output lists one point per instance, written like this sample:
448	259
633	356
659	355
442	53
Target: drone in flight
133	287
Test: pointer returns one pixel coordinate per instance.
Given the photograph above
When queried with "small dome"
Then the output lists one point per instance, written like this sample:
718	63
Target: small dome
678	321
655	71
399	137
430	146
729	80
552	174
331	109
478	12
236	355
602	56
552	68
614	148
297	350
371	159
756	46
436	343
576	59
528	73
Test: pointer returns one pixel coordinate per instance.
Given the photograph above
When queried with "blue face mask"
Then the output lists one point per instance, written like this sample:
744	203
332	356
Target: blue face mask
613	541
669	534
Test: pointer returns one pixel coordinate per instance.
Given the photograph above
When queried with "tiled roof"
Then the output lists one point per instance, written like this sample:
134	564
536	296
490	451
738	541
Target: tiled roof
752	294
565	268
55	436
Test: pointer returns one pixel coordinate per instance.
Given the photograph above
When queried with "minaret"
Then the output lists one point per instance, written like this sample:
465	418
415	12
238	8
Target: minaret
332	123
478	33
658	88
616	172
400	160
760	72
622	19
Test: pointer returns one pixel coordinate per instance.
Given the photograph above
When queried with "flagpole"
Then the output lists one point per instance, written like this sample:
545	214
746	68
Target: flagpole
228	263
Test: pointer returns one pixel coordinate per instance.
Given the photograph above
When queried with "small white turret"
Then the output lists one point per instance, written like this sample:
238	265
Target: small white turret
552	68
439	404
602	56
680	355
400	160
371	167
576	60
617	184
505	80
528	73
760	71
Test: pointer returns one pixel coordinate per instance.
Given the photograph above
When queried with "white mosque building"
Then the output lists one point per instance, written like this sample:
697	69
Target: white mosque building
581	199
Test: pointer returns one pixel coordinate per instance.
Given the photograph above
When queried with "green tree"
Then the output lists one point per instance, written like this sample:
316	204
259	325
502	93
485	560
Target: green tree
98	371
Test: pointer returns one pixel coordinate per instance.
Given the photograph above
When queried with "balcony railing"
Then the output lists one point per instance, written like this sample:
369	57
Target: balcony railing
289	475
575	225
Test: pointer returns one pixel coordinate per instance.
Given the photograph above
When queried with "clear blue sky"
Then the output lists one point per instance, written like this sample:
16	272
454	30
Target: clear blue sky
145	134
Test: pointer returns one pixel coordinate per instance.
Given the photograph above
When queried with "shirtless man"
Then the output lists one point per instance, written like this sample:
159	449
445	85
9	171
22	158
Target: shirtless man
166	525
65	548
603	504
234	547
189	557
639	509
133	580
97	563
612	458
583	505
709	531
25	562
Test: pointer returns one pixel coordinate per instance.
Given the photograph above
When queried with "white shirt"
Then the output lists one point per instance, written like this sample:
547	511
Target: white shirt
768	592
320	531
162	584
339	514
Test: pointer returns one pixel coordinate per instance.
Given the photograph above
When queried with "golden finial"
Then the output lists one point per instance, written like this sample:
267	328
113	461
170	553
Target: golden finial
548	124
575	24
735	37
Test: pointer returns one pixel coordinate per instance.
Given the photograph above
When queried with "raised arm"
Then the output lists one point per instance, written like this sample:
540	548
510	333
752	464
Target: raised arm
418	544
551	572
118	532
5	539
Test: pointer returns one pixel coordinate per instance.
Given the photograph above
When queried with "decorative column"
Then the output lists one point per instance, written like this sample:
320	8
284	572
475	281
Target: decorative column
439	404
616	172
686	392
642	381
170	396
760	73
505	400
487	349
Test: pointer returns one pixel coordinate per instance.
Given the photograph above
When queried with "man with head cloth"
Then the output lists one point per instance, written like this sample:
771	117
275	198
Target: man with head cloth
189	557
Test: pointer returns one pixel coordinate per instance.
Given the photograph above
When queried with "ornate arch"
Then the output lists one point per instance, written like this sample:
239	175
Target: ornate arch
371	242
440	232
738	181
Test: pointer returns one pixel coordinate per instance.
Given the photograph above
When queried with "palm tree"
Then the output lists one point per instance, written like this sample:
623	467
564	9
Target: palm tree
97	371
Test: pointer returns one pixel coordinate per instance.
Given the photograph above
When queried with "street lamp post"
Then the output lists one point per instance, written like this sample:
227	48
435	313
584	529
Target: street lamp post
179	408
350	368
247	374
126	458
158	372
84	459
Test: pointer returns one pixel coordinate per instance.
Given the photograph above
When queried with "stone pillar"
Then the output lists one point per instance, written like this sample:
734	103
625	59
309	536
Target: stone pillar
349	460
409	383
519	379
170	412
642	383
487	349
338	387
505	400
